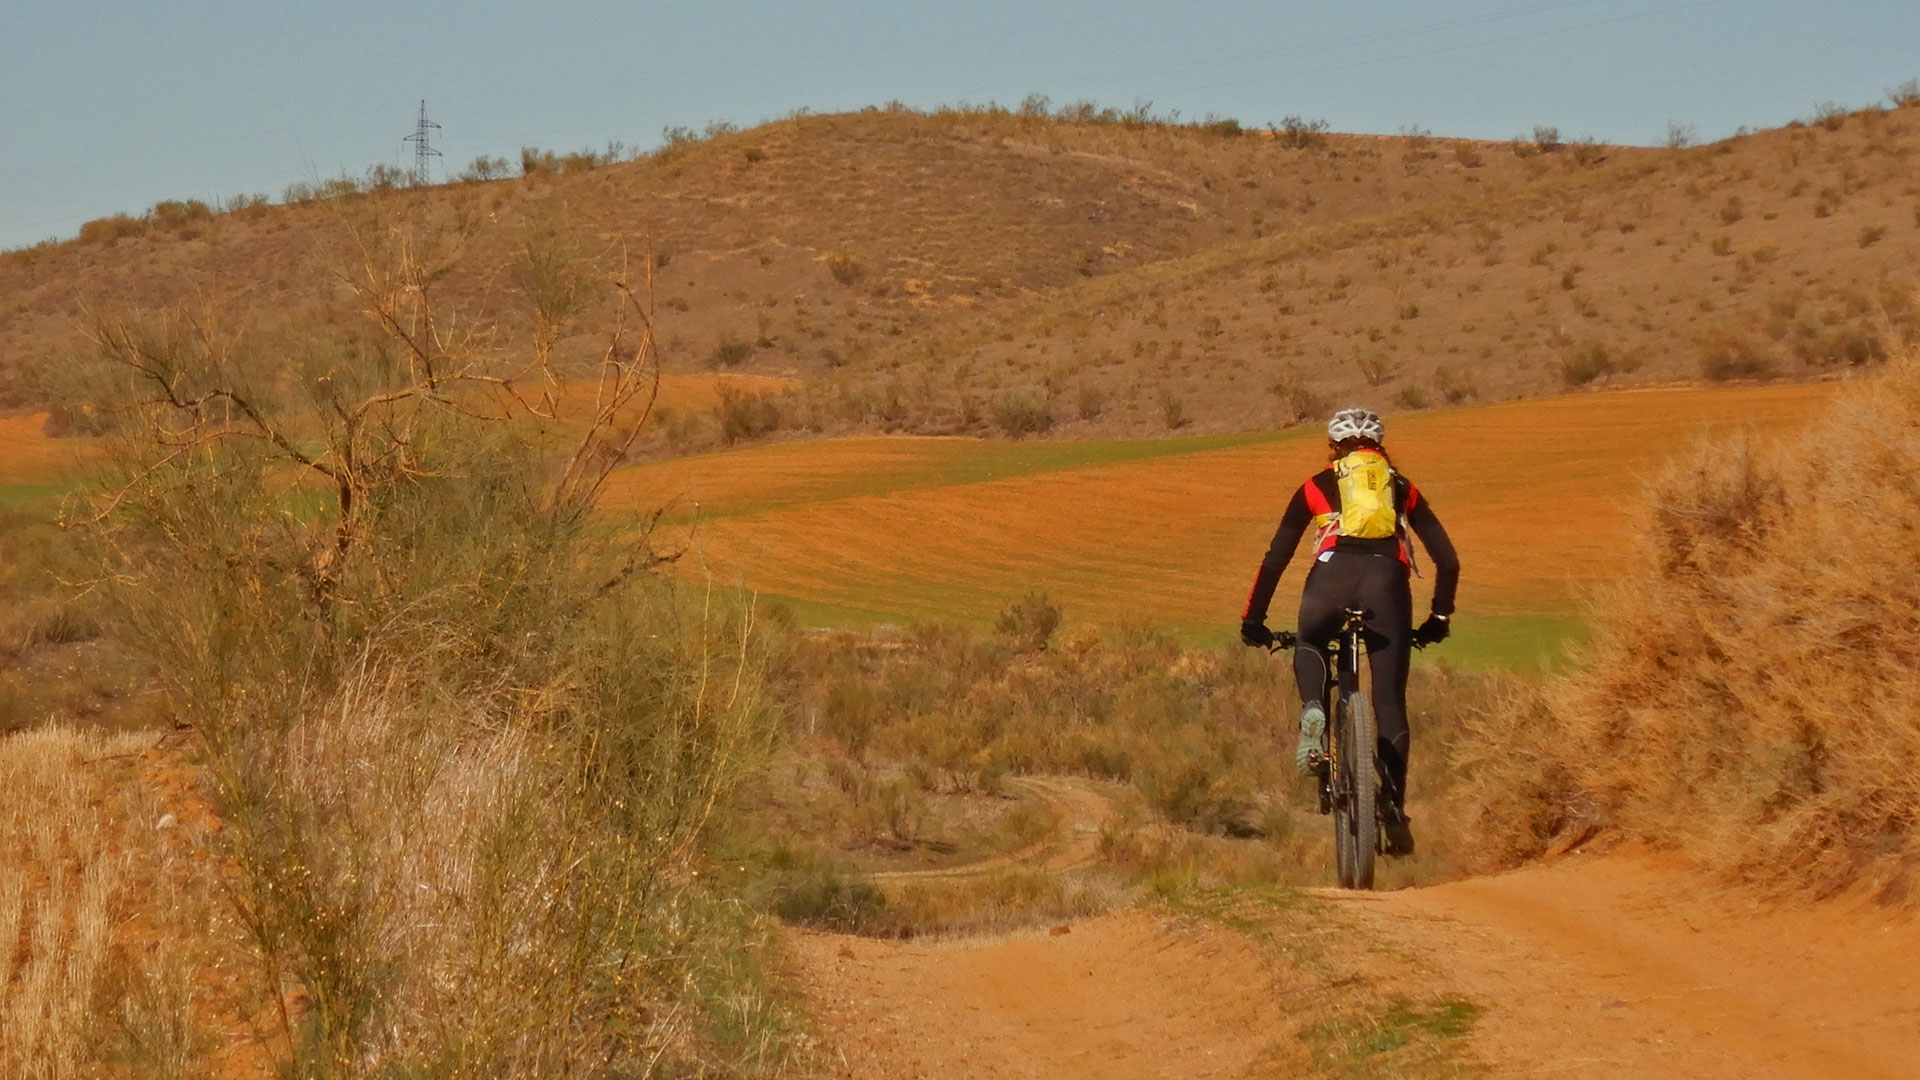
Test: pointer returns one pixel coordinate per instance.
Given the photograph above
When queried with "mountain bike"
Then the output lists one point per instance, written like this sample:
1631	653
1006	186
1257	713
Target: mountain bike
1348	763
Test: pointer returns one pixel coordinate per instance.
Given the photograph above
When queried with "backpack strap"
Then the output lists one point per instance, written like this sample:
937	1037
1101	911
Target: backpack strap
1406	544
1326	520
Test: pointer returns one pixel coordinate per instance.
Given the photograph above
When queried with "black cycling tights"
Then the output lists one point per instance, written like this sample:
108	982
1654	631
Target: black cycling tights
1377	584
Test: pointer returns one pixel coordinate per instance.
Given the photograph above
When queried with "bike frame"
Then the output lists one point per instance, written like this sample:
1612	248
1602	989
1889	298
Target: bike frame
1343	678
1343	693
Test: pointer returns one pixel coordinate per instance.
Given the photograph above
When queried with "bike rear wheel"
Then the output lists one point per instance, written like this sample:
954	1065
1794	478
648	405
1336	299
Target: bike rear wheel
1355	824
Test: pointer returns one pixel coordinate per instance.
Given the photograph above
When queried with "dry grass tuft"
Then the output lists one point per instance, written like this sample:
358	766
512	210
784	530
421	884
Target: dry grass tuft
1749	692
62	875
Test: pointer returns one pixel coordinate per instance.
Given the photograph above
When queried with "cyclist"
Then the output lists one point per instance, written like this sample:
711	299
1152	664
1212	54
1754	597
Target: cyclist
1361	511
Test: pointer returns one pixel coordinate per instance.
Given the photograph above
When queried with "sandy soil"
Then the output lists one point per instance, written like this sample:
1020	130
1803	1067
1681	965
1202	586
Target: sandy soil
1624	965
1591	966
1128	995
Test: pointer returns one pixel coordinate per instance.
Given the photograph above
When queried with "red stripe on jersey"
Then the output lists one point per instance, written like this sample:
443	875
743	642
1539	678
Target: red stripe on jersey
1316	499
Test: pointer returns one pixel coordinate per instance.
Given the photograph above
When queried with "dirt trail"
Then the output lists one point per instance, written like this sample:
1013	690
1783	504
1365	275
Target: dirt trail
1126	996
1073	840
1592	966
1623	965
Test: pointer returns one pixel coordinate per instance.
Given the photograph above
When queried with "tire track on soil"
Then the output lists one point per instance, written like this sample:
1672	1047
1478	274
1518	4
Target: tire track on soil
1620	965
1073	841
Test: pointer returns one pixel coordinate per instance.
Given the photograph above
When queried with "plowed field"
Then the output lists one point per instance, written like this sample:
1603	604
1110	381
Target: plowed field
28	456
1539	496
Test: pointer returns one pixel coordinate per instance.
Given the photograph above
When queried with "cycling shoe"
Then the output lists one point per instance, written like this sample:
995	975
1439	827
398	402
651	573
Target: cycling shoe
1313	730
1399	835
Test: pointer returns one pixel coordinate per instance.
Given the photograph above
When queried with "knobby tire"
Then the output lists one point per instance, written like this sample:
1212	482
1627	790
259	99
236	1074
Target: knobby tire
1355	824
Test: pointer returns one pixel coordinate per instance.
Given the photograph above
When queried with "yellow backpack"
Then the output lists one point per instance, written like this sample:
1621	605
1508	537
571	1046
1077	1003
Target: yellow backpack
1366	495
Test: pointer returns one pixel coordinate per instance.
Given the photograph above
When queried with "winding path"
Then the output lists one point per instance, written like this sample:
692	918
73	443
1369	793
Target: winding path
1074	839
1591	966
1630	965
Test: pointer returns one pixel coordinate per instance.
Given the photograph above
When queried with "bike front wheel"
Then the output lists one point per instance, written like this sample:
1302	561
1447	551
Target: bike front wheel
1355	825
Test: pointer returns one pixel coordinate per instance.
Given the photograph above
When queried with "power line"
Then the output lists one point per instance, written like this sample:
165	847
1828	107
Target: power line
422	147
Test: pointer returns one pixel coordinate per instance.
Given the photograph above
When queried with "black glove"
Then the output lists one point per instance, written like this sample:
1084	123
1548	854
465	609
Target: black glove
1254	633
1432	632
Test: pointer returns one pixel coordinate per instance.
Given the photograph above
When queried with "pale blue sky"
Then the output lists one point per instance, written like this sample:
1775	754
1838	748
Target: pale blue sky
109	106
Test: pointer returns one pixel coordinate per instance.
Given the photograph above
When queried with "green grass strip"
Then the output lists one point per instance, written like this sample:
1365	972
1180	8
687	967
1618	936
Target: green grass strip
29	496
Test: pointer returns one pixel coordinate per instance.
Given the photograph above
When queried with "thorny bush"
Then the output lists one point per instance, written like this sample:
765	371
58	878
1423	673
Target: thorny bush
466	742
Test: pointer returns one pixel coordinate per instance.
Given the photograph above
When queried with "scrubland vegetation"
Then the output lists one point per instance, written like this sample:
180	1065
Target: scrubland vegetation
408	753
1192	749
464	742
1749	692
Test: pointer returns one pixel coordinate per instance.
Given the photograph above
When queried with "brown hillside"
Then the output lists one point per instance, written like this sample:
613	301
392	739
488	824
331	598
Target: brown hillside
977	271
1781	254
927	216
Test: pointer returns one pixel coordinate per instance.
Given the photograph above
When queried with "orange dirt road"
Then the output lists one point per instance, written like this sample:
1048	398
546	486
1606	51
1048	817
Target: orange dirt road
1618	965
1126	996
1621	965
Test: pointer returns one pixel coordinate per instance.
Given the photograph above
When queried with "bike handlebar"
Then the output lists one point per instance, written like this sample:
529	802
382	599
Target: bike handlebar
1285	640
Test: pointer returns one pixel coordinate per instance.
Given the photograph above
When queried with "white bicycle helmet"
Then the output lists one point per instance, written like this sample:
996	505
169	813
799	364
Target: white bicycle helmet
1356	424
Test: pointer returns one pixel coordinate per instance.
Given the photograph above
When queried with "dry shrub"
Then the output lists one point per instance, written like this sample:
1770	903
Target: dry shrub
846	269
31	611
1749	690
1732	354
743	414
1298	133
468	745
111	228
1378	367
1299	399
1090	400
1030	622
1019	413
1587	363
